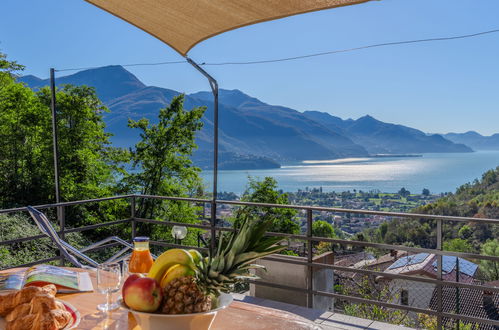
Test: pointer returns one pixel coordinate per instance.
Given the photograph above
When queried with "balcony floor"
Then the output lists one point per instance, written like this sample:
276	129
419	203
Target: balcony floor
324	320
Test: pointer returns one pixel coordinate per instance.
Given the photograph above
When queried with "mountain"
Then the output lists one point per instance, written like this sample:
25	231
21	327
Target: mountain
282	128
252	133
110	81
384	138
475	140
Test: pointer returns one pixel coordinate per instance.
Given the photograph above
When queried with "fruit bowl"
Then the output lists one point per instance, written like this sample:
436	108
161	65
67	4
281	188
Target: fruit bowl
194	321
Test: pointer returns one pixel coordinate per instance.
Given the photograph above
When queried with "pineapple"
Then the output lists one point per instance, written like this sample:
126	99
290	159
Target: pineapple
231	262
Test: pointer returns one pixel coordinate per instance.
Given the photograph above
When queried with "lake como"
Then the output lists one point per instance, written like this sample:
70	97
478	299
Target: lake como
438	172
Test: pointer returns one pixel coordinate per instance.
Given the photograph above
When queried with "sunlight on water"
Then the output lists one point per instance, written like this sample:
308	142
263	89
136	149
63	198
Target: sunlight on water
437	172
336	161
351	172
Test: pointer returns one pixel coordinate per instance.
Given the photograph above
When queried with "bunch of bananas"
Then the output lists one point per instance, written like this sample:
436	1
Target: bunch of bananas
173	264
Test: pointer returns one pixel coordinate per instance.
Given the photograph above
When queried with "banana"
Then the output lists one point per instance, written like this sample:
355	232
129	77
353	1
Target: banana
174	272
167	259
196	256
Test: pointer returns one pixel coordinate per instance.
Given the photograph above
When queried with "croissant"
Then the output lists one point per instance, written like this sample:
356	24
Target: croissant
61	317
34	308
19	311
54	320
10	301
50	289
33	322
41	303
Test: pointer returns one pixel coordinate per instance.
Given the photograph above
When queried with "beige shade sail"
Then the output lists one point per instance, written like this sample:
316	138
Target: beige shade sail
183	23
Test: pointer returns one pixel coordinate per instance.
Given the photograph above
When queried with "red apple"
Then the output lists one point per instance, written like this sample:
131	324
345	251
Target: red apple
129	280
142	294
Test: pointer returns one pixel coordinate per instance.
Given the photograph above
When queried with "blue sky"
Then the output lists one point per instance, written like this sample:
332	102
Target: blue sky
436	87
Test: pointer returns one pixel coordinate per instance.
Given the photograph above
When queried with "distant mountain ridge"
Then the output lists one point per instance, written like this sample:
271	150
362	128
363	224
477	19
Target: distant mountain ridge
475	140
384	138
252	133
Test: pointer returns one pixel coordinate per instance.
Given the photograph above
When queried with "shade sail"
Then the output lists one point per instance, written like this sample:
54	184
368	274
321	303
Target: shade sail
183	23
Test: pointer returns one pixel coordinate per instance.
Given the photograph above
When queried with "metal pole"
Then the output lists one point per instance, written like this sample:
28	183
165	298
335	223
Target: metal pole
214	90
458	302
310	272
54	135
132	215
60	210
439	276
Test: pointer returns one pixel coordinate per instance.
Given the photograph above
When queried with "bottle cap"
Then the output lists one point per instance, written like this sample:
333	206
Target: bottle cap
141	239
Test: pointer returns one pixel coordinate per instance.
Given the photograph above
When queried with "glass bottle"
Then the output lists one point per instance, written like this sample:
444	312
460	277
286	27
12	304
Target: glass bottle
141	259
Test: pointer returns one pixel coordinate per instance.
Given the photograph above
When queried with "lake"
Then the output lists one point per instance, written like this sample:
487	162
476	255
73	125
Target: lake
439	172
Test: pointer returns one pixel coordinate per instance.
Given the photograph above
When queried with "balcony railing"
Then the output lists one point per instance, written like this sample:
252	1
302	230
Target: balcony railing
444	317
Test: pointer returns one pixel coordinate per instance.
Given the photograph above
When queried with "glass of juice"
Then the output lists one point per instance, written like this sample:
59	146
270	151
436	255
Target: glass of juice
141	259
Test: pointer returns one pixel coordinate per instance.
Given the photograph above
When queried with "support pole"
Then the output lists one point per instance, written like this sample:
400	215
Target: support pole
439	276
310	269
60	210
54	135
214	90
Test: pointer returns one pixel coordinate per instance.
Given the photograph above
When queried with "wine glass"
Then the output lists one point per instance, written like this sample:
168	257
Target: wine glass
109	277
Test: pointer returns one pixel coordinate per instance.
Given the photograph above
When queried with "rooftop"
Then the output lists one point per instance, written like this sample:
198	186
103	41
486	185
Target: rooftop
426	264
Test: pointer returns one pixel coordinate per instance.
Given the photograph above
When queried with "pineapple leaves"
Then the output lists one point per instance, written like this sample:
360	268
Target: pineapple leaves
237	251
267	242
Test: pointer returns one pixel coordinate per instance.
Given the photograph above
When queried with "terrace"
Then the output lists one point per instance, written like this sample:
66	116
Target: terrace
344	287
357	284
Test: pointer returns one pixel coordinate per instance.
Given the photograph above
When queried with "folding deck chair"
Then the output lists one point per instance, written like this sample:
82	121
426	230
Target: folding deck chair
70	252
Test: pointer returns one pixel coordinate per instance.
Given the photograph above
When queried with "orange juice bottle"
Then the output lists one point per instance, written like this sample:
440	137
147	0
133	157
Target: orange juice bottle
141	259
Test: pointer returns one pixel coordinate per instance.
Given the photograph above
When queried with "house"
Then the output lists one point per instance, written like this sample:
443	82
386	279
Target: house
383	262
420	294
469	302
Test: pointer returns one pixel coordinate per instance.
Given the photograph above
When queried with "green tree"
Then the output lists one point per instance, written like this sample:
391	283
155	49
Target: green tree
7	67
490	268
321	228
458	245
266	191
383	229
465	232
426	192
162	164
89	166
404	192
24	122
88	163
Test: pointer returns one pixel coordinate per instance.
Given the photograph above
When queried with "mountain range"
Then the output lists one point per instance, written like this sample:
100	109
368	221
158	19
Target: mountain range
475	140
252	134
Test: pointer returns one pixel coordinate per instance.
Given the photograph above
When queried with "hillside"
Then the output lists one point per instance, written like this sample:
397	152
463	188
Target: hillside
479	199
252	134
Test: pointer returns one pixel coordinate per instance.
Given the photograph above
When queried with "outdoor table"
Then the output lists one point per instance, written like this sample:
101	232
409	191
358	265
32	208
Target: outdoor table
238	315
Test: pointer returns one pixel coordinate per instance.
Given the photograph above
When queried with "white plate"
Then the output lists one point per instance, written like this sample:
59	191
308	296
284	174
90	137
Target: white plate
75	316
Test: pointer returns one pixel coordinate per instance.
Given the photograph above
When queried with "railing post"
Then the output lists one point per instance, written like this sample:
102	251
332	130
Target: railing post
458	298
310	270
439	275
62	226
132	216
213	223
